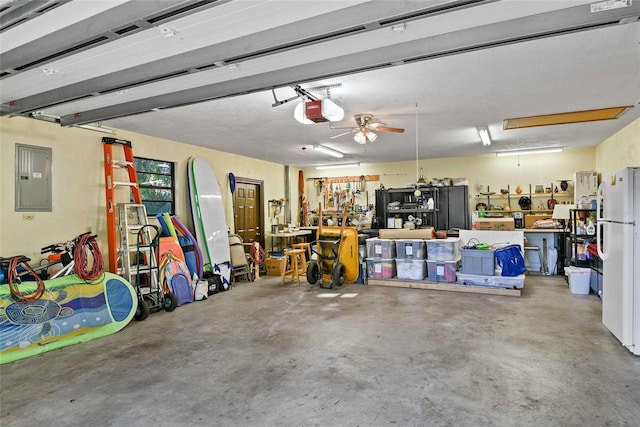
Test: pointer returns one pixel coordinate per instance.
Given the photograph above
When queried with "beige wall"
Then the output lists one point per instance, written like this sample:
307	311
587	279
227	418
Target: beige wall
620	150
78	185
488	170
78	181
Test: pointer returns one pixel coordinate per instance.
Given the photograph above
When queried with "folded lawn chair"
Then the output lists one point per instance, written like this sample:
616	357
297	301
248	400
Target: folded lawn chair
239	261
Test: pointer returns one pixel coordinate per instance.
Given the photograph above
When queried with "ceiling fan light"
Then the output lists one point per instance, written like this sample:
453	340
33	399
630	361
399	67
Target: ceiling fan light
360	138
371	136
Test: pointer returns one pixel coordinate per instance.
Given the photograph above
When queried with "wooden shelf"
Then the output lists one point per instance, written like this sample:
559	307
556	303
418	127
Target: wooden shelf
519	210
410	210
506	196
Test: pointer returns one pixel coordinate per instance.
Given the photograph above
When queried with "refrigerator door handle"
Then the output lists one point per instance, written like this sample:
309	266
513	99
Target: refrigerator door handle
599	199
600	221
601	252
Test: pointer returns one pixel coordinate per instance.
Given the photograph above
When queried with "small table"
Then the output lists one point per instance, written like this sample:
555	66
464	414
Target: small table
281	236
545	238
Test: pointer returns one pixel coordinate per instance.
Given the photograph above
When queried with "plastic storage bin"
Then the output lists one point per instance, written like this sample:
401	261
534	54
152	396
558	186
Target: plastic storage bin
378	268
442	271
411	269
411	249
443	249
478	261
579	279
514	282
381	248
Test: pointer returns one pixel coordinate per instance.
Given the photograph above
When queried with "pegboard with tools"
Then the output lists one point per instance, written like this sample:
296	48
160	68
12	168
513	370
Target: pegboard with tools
339	192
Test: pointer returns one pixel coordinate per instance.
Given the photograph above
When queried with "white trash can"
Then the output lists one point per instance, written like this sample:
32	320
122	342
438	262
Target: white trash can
579	279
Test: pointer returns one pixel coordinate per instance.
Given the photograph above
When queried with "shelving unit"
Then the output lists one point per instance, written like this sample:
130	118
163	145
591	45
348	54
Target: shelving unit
408	203
579	238
531	194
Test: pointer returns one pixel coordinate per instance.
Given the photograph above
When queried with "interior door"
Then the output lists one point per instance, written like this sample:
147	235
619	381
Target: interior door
248	211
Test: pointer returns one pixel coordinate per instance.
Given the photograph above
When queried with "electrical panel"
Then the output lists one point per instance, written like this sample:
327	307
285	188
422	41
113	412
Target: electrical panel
33	178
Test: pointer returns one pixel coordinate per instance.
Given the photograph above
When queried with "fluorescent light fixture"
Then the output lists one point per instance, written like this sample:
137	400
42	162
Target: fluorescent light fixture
338	165
523	152
95	128
328	151
565	118
330	111
46	117
484	136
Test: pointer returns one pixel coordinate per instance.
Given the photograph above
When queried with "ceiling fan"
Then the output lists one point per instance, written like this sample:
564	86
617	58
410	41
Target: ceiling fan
365	127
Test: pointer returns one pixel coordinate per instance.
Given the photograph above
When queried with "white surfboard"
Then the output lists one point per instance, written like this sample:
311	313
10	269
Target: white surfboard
207	211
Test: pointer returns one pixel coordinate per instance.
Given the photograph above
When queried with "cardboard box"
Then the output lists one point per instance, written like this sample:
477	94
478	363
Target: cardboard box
505	224
530	219
419	233
274	266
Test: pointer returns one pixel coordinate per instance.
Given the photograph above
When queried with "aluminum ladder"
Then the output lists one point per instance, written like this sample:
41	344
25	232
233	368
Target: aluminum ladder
137	248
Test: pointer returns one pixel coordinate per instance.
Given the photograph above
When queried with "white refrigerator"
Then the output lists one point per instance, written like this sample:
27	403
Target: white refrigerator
618	238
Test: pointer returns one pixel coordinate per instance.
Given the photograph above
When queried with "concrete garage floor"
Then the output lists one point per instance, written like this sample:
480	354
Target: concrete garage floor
265	355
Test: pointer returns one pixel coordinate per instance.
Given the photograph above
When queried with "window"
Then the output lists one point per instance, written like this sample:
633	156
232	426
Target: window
157	188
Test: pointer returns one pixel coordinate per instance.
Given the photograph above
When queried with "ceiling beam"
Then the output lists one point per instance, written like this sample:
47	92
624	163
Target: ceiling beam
18	12
98	29
518	30
330	26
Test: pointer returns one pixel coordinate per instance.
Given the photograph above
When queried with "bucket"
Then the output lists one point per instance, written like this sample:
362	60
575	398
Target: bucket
579	279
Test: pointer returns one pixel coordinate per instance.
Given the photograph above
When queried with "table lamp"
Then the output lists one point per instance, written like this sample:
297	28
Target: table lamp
562	213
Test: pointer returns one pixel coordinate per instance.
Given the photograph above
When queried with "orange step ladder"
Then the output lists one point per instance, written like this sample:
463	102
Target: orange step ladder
110	164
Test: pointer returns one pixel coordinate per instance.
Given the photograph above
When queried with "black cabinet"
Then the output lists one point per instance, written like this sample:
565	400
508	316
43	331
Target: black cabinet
453	208
450	209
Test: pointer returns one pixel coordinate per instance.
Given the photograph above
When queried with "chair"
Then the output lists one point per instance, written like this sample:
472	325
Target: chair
543	269
294	264
239	260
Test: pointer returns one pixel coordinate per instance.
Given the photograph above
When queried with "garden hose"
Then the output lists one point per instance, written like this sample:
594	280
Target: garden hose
88	244
13	287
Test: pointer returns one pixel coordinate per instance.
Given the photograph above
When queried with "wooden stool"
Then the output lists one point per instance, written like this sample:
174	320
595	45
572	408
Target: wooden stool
306	247
298	264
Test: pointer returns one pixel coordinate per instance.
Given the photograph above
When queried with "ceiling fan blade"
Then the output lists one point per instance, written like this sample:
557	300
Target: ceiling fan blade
388	129
343	133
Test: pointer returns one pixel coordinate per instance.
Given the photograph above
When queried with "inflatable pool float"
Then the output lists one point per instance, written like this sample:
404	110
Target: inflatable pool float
70	311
